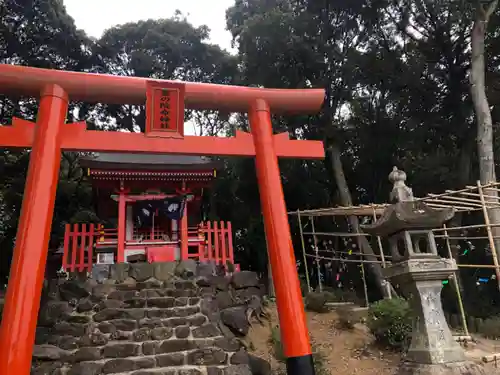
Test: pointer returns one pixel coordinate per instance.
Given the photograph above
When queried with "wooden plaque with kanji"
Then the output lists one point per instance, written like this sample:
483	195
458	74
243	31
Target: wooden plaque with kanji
165	109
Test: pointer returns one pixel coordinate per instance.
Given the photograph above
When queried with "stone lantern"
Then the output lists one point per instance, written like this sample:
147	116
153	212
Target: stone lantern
418	270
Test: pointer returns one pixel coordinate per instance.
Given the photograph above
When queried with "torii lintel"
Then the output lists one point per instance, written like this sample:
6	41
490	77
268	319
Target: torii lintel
76	137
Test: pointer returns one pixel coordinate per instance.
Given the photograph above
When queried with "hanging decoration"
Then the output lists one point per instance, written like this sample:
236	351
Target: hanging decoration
171	208
467	248
144	213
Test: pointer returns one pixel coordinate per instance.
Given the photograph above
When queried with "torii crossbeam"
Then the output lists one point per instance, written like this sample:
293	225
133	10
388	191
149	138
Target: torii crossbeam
165	102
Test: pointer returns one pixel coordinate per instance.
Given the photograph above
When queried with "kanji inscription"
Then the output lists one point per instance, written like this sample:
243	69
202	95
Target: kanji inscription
165	110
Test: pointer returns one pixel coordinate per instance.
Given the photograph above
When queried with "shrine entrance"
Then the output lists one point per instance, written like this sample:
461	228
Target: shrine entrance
165	103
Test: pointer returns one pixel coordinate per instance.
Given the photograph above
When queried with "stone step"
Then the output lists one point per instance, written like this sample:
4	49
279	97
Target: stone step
128	357
152	343
146	312
98	369
69	336
129	293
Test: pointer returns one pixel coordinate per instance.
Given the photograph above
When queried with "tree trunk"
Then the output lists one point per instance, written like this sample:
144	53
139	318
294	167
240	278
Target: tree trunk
346	200
464	178
482	109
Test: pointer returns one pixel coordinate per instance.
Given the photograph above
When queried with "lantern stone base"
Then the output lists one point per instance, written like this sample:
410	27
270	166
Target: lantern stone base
457	368
421	282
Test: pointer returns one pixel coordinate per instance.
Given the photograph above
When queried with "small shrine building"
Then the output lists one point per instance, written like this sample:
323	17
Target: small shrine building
152	209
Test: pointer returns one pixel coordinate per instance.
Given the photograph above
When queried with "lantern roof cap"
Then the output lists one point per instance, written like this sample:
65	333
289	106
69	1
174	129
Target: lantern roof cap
409	215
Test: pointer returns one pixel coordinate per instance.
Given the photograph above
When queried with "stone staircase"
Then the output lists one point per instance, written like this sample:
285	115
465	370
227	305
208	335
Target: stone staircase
149	319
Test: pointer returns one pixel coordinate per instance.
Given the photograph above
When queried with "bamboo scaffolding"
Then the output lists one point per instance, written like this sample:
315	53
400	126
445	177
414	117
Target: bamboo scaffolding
467	201
464	205
338	234
476	266
353	253
304	252
365	288
466	227
470	199
318	268
479	196
345	260
457	288
465	237
490	234
382	257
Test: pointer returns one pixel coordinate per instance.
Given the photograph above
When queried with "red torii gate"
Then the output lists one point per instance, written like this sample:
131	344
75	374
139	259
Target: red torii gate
164	134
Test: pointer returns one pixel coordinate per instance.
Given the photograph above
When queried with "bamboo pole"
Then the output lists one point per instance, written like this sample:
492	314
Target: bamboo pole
344	260
491	358
365	288
474	226
457	202
476	265
348	253
490	234
486	196
304	252
465	201
318	268
457	287
490	186
466	237
450	205
382	256
338	234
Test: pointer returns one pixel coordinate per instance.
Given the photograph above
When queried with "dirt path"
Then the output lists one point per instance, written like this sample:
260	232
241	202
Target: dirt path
346	352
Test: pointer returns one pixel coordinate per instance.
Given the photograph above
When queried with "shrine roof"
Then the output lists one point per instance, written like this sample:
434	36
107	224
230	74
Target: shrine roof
149	162
408	215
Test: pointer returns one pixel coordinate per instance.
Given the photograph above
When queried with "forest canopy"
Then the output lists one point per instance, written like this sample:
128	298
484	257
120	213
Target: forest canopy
396	73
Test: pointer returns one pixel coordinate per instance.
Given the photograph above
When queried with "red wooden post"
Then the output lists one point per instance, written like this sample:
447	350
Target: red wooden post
223	243
184	230
74	249
90	254
209	240
81	261
293	325
22	302
201	244
67	232
230	242
120	258
216	243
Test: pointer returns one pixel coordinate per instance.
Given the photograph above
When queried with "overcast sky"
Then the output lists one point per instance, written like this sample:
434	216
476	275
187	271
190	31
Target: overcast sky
95	16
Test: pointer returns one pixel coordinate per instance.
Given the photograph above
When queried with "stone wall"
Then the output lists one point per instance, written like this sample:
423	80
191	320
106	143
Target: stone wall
149	319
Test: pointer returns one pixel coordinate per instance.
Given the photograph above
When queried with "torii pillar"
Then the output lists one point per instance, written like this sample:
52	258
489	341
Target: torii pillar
164	134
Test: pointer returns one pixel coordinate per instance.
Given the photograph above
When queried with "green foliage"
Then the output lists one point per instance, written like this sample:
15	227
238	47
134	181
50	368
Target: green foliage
491	328
40	33
230	267
383	84
316	302
275	342
348	317
390	322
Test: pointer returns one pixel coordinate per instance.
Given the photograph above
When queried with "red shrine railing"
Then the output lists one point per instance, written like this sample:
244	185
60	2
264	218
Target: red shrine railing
211	241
